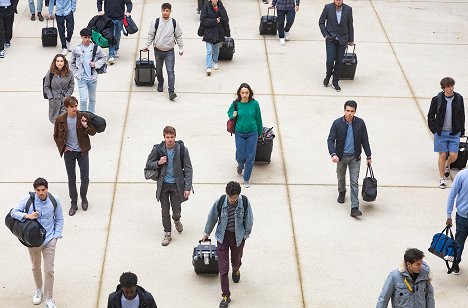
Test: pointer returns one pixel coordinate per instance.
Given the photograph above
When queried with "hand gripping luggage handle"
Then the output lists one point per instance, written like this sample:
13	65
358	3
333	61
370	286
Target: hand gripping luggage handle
47	23
271	8
448	230
199	245
142	59
354	48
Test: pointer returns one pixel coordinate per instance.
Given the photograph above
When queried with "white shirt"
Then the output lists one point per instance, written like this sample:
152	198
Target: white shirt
132	303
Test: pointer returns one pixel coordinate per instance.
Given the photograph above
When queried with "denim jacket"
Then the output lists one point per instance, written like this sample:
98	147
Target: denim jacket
243	227
76	63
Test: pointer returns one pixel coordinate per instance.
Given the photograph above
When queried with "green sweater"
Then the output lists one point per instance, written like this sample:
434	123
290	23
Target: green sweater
249	117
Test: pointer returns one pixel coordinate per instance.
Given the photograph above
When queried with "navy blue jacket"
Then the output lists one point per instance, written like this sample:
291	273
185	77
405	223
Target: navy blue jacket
330	28
337	137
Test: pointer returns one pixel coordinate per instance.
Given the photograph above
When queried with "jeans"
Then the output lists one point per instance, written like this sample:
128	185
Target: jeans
246	148
118	26
353	165
48	253
32	9
70	158
87	89
335	54
167	57
289	15
169	191
51	7
212	53
229	243
70	20
6	27
461	234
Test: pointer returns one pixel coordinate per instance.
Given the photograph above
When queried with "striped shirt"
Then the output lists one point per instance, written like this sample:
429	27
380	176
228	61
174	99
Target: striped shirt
231	225
284	5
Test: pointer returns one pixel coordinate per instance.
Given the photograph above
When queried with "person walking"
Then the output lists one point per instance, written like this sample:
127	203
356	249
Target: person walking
246	111
215	22
165	33
64	15
286	11
83	66
446	120
48	212
347	137
171	159
336	25
71	135
234	216
7	17
129	294
58	84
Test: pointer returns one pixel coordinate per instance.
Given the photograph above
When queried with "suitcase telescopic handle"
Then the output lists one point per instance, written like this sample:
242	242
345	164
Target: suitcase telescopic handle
354	48
148	54
271	8
199	245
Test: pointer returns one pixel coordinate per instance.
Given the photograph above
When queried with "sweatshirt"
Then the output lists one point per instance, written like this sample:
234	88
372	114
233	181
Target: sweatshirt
249	117
166	37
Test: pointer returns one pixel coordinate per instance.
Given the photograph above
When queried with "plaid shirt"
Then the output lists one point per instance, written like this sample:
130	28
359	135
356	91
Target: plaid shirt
284	5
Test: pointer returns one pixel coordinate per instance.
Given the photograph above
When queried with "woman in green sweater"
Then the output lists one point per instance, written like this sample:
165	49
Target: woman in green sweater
248	128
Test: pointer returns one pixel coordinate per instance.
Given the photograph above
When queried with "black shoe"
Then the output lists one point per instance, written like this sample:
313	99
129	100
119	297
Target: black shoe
326	81
73	209
341	197
160	87
456	269
172	96
84	203
236	276
39	15
447	171
33	17
225	302
355	212
337	87
239	170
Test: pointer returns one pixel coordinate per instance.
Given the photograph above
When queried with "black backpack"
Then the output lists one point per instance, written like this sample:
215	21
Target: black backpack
98	122
50	84
245	203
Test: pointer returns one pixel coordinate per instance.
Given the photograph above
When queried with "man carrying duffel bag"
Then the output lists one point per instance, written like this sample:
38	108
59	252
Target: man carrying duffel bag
47	210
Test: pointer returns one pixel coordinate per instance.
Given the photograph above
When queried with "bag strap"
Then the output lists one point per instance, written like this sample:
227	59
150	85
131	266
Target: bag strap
369	168
245	203
32	196
156	25
94	51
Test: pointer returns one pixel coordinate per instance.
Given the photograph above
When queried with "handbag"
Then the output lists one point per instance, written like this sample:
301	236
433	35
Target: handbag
369	186
445	247
152	174
130	26
103	68
201	30
231	123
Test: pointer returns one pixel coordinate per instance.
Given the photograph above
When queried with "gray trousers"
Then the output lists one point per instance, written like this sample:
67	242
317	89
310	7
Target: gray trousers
353	165
169	191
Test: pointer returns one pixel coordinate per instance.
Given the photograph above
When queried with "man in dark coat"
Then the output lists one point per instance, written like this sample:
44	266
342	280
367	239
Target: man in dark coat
129	294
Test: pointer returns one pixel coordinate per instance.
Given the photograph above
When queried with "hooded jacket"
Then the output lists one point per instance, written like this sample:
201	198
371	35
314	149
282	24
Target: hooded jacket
146	299
214	32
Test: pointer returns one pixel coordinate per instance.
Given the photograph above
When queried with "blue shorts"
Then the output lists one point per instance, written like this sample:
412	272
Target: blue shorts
446	143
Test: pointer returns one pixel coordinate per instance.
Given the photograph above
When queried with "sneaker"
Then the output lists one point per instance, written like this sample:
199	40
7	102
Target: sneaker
225	302
326	81
341	197
116	55
282	42
239	170
7	45
84	203
178	225
215	65
167	238
336	87
111	60
50	304
160	87
2	53
236	276
355	212
286	36
172	96
246	184
69	46
64	51
39	15
73	209
37	297
447	171
208	71
456	269
33	17
442	183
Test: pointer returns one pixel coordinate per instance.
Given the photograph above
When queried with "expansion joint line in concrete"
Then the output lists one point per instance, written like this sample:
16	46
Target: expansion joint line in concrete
283	167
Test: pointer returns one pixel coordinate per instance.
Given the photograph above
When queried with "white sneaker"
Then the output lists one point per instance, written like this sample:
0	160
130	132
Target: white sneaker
167	239
215	65
116	54
286	36
50	304
442	183
282	42
64	51
2	53
69	47
208	71
111	60
37	297
246	184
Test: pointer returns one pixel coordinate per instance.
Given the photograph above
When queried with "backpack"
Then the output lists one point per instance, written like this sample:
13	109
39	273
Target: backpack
98	122
102	69
50	85
245	203
153	174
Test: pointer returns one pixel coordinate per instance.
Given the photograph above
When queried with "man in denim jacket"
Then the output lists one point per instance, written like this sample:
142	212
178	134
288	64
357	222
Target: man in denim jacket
235	222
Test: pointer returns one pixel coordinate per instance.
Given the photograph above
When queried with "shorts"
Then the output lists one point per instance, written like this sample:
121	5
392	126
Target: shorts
446	143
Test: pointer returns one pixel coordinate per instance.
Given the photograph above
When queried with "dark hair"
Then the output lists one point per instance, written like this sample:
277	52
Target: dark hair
54	69
351	104
128	280
447	82
70	101
85	32
244	85
413	254
169	130
233	188
166	6
40	182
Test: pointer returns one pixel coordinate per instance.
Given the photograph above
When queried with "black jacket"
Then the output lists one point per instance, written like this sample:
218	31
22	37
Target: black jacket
332	30
146	299
436	114
336	138
214	32
103	25
11	9
115	9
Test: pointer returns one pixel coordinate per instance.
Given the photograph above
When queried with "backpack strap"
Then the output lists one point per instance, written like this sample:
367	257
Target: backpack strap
94	52
439	101
181	152
156	25
32	195
245	203
174	24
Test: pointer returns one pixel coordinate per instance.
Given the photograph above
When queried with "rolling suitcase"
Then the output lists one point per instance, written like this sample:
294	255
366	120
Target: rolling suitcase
269	23
144	71
227	49
205	259
460	163
264	150
49	35
348	69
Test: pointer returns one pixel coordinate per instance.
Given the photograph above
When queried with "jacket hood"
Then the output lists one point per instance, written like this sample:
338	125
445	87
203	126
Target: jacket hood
425	273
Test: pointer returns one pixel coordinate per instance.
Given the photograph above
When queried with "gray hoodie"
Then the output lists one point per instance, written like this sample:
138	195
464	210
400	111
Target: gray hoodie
165	38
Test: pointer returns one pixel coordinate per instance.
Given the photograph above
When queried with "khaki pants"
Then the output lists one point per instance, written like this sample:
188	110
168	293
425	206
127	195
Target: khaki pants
48	253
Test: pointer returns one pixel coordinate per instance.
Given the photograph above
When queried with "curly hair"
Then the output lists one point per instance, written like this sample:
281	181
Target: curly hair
233	188
55	70
128	280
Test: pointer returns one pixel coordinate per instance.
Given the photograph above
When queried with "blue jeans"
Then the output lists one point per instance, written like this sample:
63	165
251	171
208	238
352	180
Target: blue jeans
70	21
87	89
32	9
335	54
246	148
167	57
353	165
212	53
289	15
118	26
51	7
461	234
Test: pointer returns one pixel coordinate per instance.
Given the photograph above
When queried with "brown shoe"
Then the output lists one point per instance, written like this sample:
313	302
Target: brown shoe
33	17
39	15
73	210
84	203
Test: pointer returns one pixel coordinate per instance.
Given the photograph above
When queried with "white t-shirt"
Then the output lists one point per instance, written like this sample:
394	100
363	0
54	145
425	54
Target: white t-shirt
133	303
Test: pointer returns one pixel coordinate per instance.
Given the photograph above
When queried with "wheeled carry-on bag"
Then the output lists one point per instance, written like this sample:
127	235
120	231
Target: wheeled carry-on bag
49	35
348	69
205	259
269	23
462	157
144	71
264	150
227	49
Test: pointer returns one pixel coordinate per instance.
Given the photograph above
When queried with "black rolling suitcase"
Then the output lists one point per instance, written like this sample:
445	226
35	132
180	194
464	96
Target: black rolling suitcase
144	71
49	35
265	146
460	163
348	69
227	49
205	259
268	23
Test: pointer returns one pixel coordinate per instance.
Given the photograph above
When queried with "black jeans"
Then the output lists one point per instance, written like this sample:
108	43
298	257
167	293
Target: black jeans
169	191
6	27
289	15
335	54
70	20
70	158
